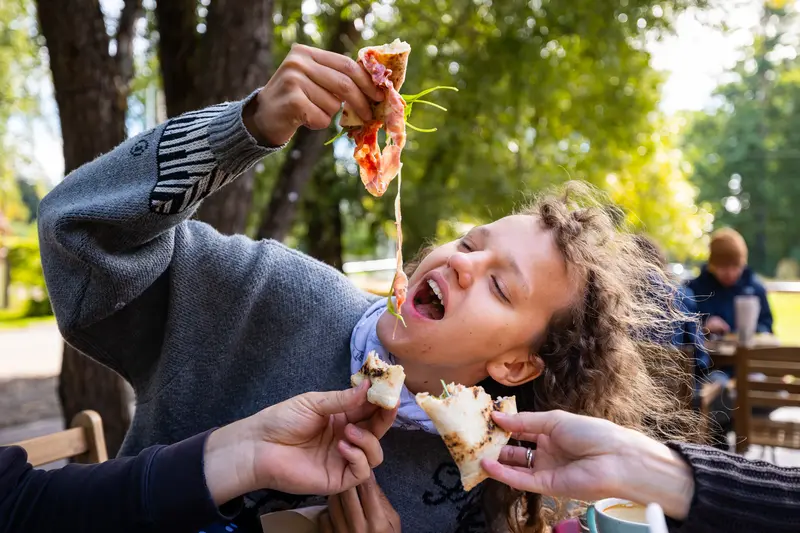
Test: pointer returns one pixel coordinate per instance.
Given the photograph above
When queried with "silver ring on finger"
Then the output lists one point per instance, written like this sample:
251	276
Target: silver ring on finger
529	457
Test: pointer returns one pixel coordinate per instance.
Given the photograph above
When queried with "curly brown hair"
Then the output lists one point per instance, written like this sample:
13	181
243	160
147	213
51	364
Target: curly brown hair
601	355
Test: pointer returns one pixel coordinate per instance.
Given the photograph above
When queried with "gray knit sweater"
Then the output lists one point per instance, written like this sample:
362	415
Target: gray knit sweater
210	328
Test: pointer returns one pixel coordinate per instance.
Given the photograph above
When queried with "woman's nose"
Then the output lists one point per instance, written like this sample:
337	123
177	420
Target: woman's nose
465	266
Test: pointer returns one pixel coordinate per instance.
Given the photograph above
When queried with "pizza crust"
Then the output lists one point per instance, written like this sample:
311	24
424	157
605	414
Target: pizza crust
386	381
464	421
393	56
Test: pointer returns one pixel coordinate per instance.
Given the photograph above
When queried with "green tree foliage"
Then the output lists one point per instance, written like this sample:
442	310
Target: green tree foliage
745	155
18	59
547	91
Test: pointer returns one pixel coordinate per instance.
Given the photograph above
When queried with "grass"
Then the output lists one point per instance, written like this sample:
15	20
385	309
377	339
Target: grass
786	312
17	323
13	319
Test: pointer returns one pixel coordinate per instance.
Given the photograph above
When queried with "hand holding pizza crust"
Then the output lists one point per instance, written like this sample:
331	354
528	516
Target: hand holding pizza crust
308	90
314	443
588	458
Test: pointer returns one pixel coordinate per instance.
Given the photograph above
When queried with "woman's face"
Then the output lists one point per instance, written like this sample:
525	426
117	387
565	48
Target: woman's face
498	287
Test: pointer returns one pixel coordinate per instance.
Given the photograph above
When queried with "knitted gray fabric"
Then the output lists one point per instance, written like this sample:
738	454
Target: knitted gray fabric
211	328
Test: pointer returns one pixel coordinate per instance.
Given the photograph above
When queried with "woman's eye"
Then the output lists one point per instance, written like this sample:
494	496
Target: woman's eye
464	244
500	290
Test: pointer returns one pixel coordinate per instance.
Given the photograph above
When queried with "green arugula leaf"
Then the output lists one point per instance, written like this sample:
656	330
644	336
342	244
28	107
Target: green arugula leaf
343	131
391	308
413	127
414	98
446	393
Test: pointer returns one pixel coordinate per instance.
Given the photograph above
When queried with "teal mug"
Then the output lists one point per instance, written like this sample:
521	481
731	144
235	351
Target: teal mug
613	515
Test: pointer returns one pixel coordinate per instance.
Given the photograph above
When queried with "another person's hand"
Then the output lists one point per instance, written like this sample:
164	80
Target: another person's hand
717	326
364	509
315	443
589	459
308	90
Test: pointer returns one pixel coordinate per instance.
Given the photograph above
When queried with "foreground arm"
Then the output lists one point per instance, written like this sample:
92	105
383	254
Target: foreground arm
316	443
734	494
163	487
699	487
121	257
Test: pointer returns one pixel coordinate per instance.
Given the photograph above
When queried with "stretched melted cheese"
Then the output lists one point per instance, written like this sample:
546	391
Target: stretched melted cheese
386	381
464	421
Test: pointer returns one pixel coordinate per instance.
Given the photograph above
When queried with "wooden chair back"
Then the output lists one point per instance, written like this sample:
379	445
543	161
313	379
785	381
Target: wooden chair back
83	441
766	377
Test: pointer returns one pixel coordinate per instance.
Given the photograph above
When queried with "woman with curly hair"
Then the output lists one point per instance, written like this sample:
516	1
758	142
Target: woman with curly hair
545	304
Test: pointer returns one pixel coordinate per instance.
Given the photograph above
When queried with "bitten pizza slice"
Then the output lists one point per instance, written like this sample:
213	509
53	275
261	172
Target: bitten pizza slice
386	381
463	418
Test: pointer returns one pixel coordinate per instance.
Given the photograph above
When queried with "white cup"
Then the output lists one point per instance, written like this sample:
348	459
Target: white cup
746	311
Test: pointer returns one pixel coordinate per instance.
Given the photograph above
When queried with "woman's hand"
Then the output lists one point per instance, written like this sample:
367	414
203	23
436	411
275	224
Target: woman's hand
307	90
315	443
589	459
364	509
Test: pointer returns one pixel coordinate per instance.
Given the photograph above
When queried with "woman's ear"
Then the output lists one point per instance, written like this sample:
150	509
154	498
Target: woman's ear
515	370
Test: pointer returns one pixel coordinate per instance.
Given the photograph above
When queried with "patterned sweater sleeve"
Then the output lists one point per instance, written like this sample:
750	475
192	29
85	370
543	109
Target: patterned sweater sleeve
734	494
110	231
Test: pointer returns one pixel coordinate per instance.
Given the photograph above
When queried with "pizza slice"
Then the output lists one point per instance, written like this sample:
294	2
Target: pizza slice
386	64
386	381
463	418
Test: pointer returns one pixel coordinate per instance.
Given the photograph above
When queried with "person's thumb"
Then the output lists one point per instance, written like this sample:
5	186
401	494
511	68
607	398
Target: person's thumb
333	402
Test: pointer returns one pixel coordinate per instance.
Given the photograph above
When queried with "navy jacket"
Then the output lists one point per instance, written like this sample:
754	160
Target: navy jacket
715	300
161	489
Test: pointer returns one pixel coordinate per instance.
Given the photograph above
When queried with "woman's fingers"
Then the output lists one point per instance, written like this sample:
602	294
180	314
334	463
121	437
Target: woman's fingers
353	512
334	402
323	99
515	456
364	412
517	477
526	437
367	442
528	423
380	422
336	516
325	524
358	464
370	496
343	86
350	68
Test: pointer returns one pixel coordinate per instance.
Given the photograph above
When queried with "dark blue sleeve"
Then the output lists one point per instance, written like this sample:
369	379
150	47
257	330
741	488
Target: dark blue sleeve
765	317
161	489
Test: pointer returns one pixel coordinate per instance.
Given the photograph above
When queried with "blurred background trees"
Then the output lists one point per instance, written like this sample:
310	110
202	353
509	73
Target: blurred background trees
746	154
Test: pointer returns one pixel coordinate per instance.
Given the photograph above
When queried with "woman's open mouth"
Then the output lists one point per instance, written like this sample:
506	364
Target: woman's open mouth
429	301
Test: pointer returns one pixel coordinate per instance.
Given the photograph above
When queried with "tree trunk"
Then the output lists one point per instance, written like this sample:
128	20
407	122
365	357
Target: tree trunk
227	62
91	88
325	219
305	151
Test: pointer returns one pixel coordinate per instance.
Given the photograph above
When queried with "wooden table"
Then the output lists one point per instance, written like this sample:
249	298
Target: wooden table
723	351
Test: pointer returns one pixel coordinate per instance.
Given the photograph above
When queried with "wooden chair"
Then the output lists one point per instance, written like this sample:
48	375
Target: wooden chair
766	377
83	442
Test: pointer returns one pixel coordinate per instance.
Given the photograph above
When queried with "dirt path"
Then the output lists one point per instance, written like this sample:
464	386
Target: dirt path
30	359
